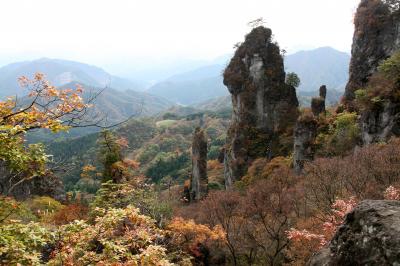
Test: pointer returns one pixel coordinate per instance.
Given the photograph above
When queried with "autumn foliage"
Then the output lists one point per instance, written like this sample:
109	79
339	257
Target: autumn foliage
69	213
47	108
193	237
274	217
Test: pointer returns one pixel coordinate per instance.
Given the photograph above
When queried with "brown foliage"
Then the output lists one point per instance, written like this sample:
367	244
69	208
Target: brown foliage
272	200
365	174
69	213
193	238
262	168
254	221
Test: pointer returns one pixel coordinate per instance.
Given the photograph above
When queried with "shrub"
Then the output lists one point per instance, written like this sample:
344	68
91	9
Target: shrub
342	136
12	209
43	207
136	193
306	242
213	152
22	243
292	79
68	213
192	236
117	236
383	85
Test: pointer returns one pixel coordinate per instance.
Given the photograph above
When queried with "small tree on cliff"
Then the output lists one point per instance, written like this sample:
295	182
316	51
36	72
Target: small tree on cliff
256	23
293	79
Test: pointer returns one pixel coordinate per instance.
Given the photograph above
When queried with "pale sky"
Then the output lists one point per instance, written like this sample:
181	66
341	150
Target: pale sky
104	32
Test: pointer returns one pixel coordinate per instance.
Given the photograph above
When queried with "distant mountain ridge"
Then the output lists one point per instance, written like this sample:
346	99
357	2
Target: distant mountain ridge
323	65
315	67
110	107
59	72
119	105
190	91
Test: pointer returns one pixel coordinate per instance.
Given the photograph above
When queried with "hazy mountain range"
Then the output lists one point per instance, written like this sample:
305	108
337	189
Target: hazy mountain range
110	107
59	72
319	66
199	85
315	67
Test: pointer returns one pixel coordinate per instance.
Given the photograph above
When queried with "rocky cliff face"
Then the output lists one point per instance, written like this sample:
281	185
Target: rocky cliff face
264	106
376	37
370	235
379	124
199	180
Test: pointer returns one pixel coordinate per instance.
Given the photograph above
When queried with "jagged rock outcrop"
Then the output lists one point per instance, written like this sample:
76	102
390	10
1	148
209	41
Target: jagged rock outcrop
376	37
370	235
264	106
306	131
304	141
199	179
380	123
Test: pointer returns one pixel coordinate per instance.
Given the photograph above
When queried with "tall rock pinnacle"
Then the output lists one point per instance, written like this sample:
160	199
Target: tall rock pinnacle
199	180
264	106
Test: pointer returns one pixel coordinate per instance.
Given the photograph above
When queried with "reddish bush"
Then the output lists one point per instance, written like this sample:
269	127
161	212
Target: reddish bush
69	213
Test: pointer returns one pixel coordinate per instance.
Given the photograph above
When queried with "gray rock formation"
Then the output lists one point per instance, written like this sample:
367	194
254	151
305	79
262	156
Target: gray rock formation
370	235
322	91
317	105
199	179
376	37
380	123
304	139
264	106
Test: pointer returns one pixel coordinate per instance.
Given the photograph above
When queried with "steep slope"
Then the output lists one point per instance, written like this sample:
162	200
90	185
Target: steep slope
58	72
119	105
